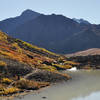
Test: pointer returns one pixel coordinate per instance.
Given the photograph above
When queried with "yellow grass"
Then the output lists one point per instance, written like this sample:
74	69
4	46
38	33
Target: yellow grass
6	80
8	91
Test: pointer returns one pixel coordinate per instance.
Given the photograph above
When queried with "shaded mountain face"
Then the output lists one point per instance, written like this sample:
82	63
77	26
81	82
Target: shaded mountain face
56	33
47	31
11	23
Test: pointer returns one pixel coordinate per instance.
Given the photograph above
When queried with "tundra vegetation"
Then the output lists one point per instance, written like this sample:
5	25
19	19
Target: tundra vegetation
27	67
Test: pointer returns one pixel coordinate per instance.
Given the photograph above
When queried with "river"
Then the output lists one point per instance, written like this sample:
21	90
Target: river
84	85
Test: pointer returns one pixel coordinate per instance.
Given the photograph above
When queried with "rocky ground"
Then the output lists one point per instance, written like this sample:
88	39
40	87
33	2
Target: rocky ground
87	62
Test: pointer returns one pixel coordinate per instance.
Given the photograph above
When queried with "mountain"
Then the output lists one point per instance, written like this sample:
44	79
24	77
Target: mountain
47	31
11	23
81	21
56	33
93	51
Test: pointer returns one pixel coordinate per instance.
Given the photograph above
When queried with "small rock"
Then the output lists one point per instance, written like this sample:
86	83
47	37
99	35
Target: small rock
44	97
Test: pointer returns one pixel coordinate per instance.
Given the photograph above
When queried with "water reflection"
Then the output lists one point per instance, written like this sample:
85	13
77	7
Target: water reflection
93	96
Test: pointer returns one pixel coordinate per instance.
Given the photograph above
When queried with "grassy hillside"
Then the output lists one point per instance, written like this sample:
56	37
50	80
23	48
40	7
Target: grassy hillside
24	66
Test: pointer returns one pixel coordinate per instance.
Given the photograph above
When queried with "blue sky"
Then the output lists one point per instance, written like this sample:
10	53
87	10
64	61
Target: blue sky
86	9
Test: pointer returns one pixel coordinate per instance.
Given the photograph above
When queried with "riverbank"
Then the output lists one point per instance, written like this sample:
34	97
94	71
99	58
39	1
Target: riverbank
22	94
82	85
32	82
80	79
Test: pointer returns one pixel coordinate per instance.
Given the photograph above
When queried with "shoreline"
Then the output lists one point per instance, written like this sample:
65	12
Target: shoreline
26	92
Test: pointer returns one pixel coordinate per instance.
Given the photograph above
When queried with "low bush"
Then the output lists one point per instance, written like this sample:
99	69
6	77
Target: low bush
26	84
59	67
30	85
7	91
2	63
6	80
1	87
47	68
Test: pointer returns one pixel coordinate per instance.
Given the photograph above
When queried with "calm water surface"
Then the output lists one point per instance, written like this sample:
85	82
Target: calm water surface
84	85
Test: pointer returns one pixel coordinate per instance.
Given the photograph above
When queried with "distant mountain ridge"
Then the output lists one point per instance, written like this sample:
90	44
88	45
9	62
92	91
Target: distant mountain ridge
81	21
10	24
93	51
56	33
